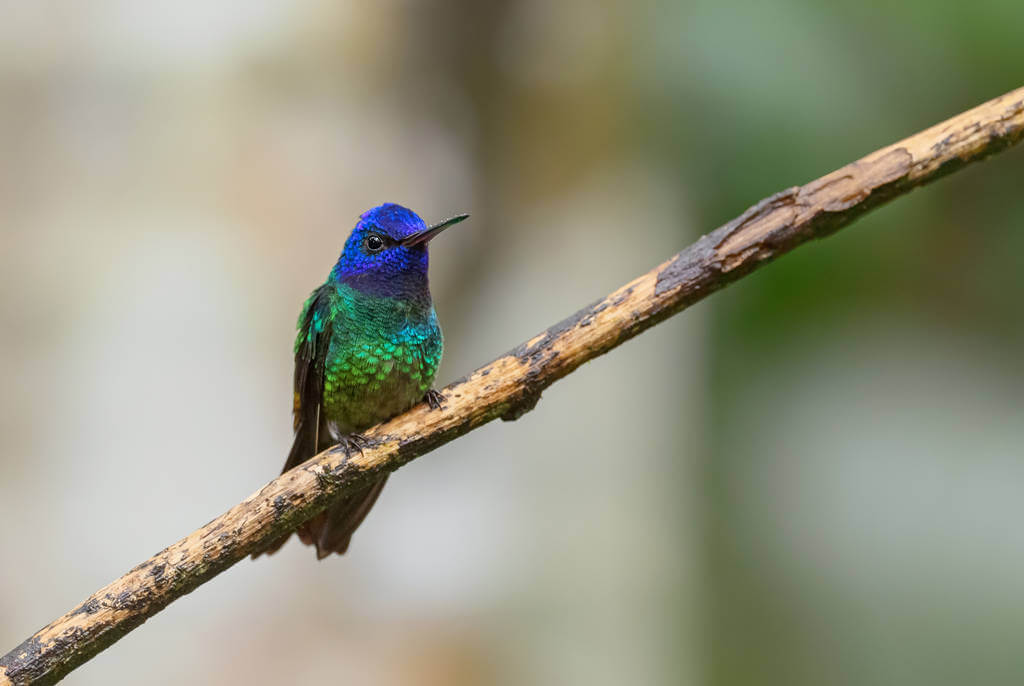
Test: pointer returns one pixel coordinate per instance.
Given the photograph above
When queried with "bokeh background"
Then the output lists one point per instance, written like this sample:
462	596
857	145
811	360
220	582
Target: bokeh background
815	476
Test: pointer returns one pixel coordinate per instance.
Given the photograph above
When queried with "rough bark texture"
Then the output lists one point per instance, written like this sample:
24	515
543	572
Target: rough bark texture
511	385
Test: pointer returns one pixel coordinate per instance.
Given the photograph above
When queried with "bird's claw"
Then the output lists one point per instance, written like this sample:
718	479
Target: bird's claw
351	443
434	399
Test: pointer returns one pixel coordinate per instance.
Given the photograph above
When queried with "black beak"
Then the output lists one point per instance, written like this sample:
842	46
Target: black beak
428	234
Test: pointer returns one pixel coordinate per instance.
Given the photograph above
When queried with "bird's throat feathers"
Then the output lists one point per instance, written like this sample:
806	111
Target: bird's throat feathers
407	282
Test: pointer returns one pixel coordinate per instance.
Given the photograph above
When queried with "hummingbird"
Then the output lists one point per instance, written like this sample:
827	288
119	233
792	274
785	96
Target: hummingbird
367	349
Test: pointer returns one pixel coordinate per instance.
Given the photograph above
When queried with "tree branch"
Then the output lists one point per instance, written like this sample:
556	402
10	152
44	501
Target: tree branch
511	385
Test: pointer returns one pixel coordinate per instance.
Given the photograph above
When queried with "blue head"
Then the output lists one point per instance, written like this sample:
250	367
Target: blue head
386	254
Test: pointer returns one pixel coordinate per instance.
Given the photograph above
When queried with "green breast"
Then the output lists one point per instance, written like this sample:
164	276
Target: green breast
382	358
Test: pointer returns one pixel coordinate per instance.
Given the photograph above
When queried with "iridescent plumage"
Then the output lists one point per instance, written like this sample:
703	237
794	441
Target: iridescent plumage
368	348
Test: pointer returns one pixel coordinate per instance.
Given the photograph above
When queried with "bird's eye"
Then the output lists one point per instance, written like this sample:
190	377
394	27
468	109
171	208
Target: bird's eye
374	243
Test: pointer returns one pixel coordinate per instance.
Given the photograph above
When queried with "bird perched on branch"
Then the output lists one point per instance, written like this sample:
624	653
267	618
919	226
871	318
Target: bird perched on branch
368	347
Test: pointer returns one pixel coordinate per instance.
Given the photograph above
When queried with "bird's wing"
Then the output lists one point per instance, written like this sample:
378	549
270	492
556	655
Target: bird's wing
315	328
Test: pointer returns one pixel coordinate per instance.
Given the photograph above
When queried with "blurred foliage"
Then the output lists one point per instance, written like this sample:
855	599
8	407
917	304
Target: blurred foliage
755	98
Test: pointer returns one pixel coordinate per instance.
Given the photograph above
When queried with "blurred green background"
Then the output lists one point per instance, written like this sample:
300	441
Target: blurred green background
813	477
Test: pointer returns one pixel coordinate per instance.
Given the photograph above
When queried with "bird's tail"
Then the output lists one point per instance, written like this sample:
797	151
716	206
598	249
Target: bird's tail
331	530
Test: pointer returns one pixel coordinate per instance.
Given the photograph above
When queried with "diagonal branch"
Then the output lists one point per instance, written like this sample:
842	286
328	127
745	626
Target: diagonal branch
511	385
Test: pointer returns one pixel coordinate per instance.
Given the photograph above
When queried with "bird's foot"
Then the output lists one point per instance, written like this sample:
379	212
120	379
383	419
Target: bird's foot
352	443
434	399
